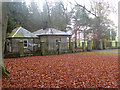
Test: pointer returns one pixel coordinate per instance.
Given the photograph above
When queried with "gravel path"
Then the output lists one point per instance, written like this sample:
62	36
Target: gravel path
116	51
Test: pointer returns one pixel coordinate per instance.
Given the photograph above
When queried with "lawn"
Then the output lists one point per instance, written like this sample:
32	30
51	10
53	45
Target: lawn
78	70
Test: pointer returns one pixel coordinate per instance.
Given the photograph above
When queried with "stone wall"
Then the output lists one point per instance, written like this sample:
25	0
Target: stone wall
13	44
50	42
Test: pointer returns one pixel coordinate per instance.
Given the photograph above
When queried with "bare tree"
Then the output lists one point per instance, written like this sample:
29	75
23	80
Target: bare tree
5	15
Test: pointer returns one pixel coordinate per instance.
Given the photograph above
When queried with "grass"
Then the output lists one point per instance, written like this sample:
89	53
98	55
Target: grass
112	49
100	52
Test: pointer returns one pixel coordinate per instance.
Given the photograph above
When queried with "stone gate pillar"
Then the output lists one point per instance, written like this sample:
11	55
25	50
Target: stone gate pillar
42	47
116	44
21	49
59	47
110	44
89	45
72	46
104	44
100	46
83	46
69	42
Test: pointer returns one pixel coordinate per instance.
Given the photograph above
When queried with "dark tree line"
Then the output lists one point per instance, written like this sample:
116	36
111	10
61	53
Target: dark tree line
30	17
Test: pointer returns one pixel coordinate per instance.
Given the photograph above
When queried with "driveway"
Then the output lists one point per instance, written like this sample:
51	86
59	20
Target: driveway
113	51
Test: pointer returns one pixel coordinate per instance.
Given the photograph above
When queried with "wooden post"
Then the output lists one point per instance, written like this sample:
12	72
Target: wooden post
89	45
83	46
100	45
104	44
59	47
21	50
42	47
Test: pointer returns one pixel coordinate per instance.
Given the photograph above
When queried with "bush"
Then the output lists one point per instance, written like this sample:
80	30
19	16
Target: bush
67	51
79	50
11	55
51	53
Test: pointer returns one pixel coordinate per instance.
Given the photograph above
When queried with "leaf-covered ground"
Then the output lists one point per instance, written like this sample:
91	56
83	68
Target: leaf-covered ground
87	70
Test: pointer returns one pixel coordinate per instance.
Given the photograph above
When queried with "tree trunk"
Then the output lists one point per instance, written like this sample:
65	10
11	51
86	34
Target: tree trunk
75	38
3	31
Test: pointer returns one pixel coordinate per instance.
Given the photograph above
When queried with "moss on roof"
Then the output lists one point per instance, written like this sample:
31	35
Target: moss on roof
12	33
21	32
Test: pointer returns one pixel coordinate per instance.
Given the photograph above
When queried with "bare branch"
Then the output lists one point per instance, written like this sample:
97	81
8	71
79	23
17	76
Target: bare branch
83	7
86	9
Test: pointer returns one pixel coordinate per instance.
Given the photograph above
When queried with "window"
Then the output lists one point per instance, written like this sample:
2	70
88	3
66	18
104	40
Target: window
25	43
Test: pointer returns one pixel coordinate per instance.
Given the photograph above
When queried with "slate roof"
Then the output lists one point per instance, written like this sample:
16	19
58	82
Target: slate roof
50	31
21	32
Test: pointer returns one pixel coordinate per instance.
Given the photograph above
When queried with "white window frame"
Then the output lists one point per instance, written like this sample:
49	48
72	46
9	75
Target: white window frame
24	43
